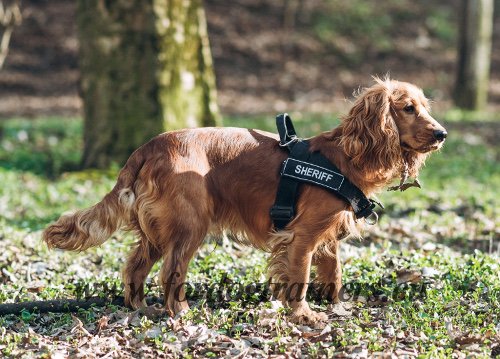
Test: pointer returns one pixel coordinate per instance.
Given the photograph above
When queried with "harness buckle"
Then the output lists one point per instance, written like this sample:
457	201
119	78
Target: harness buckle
282	213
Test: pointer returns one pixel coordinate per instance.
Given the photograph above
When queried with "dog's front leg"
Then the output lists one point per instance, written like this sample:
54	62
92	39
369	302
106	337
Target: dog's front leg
299	256
329	271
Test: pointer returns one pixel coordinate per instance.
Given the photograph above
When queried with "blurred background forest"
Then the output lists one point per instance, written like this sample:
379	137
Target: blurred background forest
269	56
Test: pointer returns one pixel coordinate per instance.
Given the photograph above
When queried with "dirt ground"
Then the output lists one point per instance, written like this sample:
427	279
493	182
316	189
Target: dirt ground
267	59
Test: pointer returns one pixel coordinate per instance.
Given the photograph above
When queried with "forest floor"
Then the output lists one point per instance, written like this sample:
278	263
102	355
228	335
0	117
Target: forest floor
423	283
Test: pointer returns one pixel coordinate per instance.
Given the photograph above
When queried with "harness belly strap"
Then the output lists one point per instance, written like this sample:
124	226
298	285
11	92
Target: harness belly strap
311	167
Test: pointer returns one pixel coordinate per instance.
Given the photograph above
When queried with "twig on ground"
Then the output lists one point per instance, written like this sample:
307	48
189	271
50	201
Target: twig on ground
65	305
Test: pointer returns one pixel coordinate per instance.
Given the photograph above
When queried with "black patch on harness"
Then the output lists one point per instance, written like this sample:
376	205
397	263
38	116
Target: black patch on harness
311	167
312	173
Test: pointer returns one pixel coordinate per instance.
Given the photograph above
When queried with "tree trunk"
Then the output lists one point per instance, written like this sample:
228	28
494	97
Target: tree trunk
476	26
187	84
145	68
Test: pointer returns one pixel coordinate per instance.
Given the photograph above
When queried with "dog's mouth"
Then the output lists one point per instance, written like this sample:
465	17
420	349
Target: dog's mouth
422	149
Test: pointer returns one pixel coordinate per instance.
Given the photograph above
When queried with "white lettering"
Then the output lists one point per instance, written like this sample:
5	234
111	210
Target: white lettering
312	172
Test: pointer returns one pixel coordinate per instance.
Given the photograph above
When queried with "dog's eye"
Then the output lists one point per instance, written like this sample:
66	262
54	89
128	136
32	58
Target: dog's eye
409	109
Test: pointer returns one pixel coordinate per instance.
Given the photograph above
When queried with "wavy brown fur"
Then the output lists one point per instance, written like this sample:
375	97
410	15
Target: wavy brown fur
182	185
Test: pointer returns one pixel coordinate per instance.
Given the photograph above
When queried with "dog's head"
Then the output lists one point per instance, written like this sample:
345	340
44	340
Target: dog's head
390	126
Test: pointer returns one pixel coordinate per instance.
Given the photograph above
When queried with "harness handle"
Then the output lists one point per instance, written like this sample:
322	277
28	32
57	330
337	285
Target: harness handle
288	136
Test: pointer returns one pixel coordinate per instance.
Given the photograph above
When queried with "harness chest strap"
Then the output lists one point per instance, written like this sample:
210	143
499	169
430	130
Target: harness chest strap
311	167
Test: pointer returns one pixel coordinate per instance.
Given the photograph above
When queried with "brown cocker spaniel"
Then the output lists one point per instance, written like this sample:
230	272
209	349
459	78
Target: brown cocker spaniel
182	185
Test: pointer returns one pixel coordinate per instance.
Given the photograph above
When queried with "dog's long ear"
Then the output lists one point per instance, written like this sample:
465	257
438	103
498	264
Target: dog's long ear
369	134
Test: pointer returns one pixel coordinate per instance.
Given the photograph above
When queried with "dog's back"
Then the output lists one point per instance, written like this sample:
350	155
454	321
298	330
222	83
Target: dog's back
208	170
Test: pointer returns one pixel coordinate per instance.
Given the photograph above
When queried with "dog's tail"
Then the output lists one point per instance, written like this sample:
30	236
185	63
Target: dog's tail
93	226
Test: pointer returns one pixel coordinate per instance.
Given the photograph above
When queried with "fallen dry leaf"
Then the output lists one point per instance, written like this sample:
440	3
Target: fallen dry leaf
102	324
340	309
408	276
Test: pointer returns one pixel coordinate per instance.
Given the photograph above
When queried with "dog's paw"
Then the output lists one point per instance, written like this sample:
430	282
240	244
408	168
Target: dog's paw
309	317
135	303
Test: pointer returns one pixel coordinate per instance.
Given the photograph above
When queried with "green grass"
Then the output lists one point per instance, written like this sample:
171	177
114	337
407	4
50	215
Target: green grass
46	147
448	232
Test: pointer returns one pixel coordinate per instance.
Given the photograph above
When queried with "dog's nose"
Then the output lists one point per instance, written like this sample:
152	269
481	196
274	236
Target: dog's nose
440	135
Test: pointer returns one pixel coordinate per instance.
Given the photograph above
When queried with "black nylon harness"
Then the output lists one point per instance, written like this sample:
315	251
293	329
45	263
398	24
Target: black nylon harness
311	167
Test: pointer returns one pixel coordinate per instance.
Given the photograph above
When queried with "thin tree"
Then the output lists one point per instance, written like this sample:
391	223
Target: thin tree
474	53
10	17
146	67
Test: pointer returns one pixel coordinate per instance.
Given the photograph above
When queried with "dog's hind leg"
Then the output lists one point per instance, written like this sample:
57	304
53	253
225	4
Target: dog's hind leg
183	243
139	263
174	269
180	228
